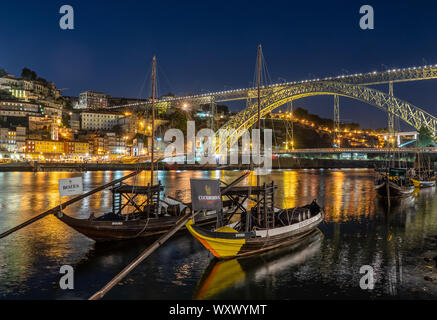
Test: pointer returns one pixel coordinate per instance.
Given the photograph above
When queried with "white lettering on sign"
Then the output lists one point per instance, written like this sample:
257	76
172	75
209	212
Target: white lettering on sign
70	186
208	198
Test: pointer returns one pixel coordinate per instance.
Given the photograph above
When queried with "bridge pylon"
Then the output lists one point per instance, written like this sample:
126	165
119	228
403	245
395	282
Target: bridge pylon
336	129
390	117
213	107
289	143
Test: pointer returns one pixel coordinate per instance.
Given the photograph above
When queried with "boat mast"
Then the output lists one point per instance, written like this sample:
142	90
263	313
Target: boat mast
259	87
259	128
152	166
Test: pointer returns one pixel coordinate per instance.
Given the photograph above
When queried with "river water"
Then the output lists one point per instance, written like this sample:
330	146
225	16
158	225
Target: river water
359	230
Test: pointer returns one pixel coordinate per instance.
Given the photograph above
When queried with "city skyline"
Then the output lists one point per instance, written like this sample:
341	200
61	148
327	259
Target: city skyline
201	50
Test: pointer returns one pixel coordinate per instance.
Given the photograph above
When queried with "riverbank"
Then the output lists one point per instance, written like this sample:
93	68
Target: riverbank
283	163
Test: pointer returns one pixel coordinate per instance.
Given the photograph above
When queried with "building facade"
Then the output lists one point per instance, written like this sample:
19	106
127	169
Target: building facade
92	100
115	145
93	120
44	146
57	147
20	138
77	147
29	89
40	123
13	140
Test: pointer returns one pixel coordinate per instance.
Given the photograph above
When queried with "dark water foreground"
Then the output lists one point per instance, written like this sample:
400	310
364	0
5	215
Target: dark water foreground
359	230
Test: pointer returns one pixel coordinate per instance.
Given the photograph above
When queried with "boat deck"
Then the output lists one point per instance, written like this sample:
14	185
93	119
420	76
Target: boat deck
125	188
245	190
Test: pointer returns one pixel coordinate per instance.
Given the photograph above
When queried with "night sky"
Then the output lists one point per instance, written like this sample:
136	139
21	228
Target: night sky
211	45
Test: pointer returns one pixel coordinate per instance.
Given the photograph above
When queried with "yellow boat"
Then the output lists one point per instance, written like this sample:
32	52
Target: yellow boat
262	228
290	226
224	274
423	183
128	160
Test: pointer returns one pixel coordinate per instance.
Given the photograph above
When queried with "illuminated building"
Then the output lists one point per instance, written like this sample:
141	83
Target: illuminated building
29	89
37	123
50	146
41	146
77	147
92	100
19	108
94	120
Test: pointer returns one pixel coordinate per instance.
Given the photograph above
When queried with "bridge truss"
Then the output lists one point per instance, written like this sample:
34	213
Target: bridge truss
352	86
366	79
409	113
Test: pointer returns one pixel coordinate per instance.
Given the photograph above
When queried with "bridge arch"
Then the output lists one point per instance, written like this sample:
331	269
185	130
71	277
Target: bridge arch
405	111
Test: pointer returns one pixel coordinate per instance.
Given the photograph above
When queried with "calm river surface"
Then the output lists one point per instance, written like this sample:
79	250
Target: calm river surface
358	231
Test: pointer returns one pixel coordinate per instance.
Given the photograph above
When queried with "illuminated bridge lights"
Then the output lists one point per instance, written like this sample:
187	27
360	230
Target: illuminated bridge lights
352	86
409	113
370	78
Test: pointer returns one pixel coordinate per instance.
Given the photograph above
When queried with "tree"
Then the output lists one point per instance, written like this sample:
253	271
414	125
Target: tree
2	72
425	138
28	74
222	109
178	120
170	94
5	95
117	129
68	105
42	80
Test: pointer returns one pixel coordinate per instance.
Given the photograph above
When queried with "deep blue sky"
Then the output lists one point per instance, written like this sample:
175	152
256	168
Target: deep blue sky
211	45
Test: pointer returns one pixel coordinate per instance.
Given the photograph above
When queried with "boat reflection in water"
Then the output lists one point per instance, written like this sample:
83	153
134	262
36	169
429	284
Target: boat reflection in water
225	274
397	204
426	193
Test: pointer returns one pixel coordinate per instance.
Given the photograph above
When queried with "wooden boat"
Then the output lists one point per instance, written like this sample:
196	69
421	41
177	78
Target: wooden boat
139	211
394	184
419	183
393	190
142	203
221	275
110	226
148	219
423	176
274	229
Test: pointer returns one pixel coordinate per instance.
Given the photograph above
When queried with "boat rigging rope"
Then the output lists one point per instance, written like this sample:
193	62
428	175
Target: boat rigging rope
274	136
145	226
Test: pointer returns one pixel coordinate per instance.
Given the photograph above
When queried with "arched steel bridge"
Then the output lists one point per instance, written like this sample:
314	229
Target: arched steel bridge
352	86
366	79
409	113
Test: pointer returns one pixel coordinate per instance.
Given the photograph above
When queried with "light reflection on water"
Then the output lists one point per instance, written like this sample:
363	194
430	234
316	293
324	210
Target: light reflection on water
358	231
